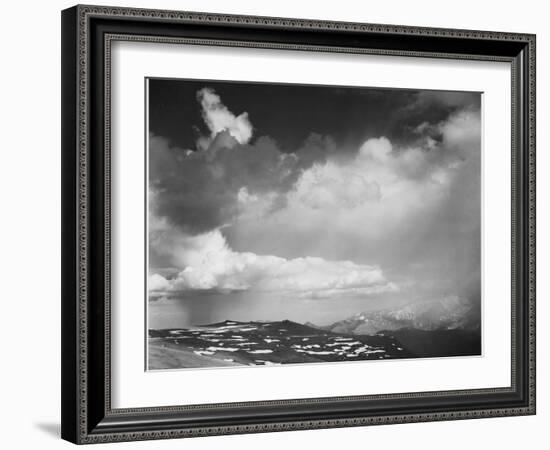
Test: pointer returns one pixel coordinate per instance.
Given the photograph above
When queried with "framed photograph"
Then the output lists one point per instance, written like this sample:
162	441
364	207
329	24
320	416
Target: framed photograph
280	224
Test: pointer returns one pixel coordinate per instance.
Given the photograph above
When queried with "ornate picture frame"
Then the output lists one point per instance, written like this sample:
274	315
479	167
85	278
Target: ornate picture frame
88	33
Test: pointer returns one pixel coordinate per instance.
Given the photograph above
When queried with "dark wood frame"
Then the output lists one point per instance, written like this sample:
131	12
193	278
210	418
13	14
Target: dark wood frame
87	32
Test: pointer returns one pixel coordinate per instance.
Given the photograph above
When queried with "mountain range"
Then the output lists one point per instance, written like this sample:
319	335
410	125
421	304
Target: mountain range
449	327
450	313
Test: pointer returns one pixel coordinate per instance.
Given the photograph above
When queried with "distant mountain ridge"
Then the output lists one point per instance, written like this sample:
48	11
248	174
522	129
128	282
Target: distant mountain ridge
265	327
450	313
450	327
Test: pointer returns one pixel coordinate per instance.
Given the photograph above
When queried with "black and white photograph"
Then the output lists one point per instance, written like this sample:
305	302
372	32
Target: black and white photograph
311	224
280	220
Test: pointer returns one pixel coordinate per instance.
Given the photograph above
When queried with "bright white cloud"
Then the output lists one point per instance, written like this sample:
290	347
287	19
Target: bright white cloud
382	190
334	186
413	211
211	265
462	131
377	197
218	118
158	282
375	149
371	195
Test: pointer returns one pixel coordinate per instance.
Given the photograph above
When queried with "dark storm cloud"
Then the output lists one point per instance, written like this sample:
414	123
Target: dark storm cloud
453	99
197	187
423	111
199	190
270	196
290	113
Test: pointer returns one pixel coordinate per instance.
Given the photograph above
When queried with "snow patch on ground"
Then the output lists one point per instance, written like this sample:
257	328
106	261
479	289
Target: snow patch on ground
224	349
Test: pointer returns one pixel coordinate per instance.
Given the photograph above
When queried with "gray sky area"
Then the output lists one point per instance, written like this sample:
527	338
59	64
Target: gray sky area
309	203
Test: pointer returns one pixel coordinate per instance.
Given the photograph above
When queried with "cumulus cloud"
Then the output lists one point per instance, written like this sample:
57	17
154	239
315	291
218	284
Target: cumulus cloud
462	132
203	189
218	118
335	187
413	209
158	283
376	193
210	264
199	191
382	189
323	220
417	121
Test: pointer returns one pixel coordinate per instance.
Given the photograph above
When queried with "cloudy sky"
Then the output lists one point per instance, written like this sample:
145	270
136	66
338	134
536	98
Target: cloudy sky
309	203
